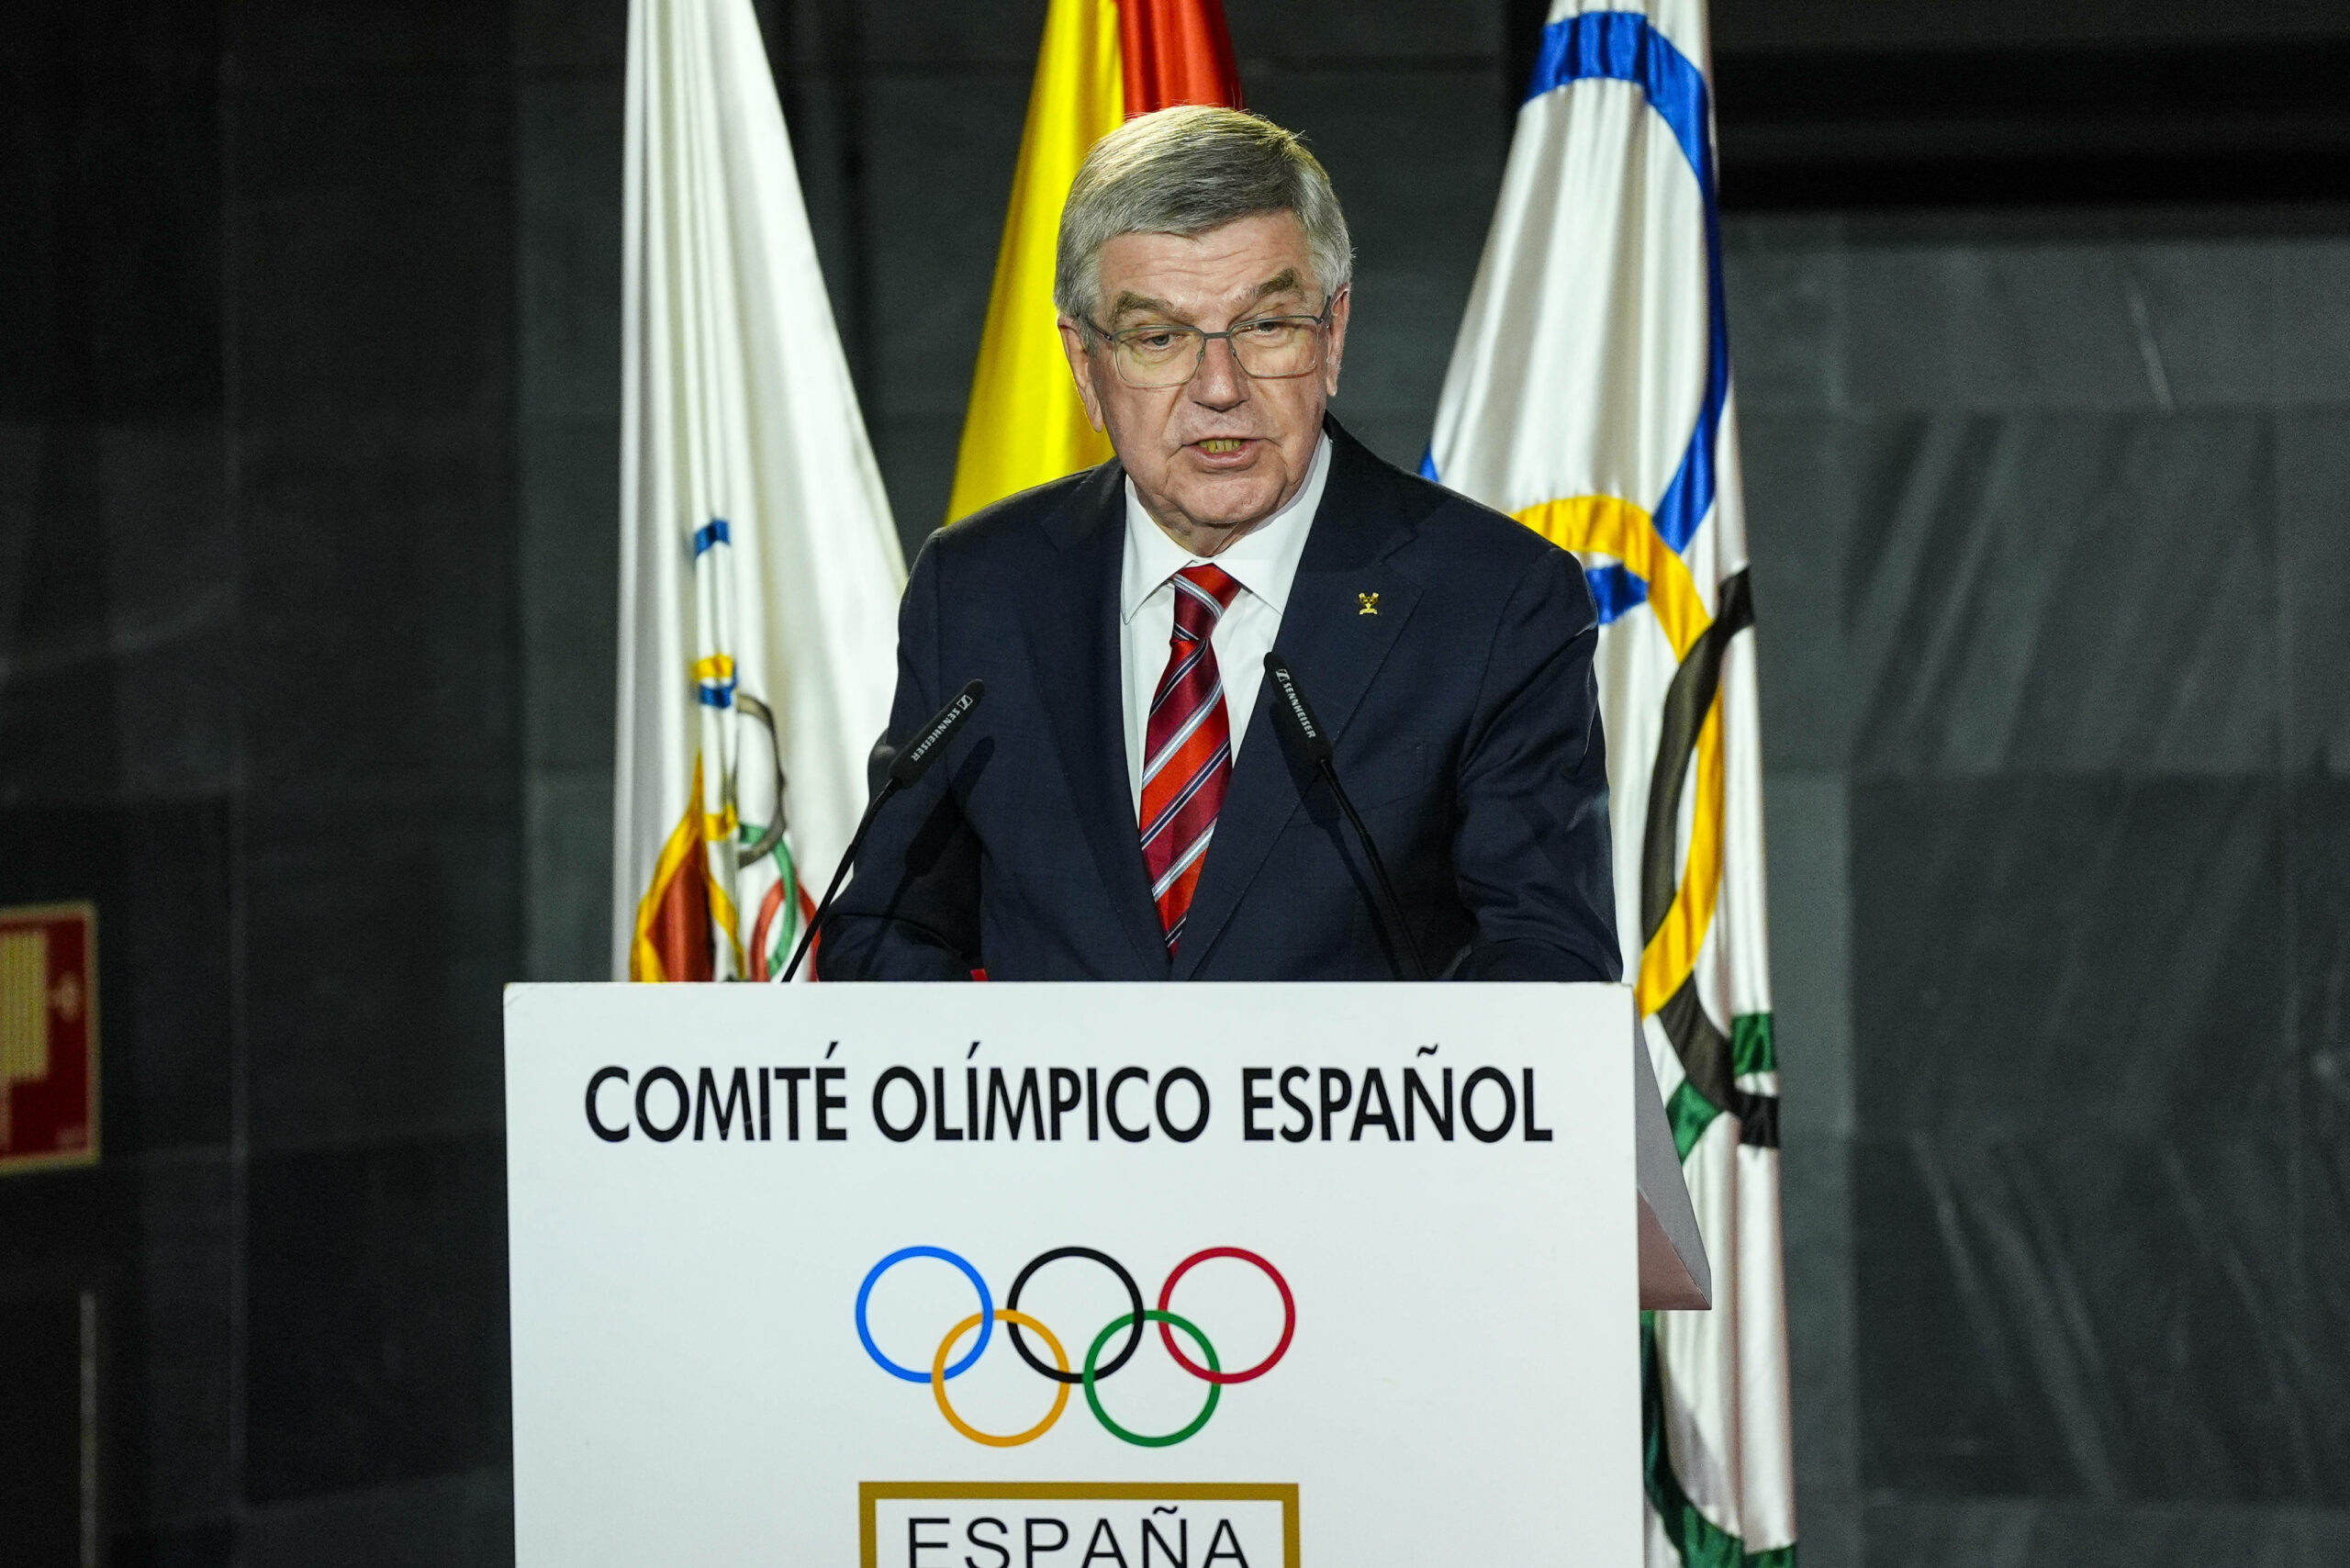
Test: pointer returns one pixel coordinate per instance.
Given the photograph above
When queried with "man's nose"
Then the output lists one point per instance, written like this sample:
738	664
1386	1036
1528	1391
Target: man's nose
1221	383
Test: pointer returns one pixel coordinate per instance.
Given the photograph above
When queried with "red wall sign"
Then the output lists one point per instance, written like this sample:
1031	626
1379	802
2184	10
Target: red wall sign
49	1035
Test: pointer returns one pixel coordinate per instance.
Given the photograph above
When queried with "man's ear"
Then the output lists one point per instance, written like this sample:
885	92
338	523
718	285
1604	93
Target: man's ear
1080	366
1340	309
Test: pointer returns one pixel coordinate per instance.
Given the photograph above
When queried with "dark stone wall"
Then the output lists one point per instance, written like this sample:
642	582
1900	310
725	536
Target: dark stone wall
2052	508
258	698
308	463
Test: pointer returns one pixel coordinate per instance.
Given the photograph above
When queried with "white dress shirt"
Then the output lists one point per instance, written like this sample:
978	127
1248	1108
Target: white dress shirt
1263	562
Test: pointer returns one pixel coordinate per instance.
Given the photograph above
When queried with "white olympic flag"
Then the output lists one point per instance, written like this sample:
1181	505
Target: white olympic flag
759	567
1590	397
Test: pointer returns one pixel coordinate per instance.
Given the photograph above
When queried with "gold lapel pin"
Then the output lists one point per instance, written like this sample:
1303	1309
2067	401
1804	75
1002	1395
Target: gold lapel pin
1370	602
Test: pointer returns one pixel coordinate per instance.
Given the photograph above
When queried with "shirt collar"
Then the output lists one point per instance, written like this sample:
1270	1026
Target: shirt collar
1263	561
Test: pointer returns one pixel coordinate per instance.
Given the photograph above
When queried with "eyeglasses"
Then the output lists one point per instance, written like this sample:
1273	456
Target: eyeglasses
1270	348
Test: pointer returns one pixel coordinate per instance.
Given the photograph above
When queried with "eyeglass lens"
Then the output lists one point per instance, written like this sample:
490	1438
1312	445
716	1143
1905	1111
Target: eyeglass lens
1269	350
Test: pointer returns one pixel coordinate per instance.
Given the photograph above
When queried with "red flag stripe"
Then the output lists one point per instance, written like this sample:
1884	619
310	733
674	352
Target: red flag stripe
1176	52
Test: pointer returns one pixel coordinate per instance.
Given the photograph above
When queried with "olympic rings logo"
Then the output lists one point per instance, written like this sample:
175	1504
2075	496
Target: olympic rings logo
1093	1370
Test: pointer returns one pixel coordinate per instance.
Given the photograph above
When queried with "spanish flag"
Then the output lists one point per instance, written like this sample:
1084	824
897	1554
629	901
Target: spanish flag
1101	61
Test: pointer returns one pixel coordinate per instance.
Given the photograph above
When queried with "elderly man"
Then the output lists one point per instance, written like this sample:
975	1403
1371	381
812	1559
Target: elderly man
1124	805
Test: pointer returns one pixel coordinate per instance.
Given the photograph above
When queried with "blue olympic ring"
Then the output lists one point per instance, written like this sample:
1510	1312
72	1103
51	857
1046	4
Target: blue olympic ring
865	1328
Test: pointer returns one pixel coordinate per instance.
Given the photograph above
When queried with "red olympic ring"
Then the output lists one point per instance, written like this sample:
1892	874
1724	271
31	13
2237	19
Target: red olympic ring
1289	1316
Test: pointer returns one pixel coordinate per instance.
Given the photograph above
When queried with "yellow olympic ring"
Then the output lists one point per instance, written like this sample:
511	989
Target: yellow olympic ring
938	1381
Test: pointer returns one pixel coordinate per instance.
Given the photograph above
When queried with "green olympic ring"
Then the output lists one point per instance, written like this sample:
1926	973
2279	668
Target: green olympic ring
1171	1439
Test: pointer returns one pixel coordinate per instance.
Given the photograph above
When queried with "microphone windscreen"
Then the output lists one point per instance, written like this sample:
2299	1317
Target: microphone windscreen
1294	714
908	766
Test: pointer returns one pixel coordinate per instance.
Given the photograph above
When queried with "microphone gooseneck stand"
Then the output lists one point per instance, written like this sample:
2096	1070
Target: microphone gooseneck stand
1296	718
905	770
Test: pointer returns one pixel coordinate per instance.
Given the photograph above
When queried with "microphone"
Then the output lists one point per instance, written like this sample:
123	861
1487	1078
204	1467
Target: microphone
906	770
1296	718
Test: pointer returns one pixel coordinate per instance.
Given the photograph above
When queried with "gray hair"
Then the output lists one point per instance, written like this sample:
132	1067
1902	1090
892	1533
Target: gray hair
1186	171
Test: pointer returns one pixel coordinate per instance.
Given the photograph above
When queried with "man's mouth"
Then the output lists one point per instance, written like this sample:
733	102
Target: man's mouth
1221	445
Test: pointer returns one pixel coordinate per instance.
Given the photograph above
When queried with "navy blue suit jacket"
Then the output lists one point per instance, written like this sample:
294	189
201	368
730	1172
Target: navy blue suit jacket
1467	725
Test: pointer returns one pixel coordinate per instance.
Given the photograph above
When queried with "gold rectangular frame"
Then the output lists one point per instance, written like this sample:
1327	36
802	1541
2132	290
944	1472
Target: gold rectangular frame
869	1495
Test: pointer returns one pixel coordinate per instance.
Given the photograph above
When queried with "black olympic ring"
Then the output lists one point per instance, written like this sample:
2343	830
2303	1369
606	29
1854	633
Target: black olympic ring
1134	1294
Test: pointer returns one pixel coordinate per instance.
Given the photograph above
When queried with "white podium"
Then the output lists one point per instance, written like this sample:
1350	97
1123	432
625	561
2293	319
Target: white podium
1014	1276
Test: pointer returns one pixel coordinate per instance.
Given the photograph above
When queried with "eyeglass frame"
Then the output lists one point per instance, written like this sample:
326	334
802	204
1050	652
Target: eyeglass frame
1321	323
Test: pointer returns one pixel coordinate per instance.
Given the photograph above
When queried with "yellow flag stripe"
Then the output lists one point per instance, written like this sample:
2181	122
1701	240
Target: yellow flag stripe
1609	525
721	913
644	957
1025	424
1672	953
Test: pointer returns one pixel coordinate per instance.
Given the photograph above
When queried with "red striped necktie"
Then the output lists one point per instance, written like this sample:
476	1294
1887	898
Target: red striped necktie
1187	748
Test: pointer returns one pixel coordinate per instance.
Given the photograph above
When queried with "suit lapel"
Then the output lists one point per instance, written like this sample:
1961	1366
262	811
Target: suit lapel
1334	649
1073	630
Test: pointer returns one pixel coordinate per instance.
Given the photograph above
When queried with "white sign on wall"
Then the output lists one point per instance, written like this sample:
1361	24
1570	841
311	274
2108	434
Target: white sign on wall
1101	1276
